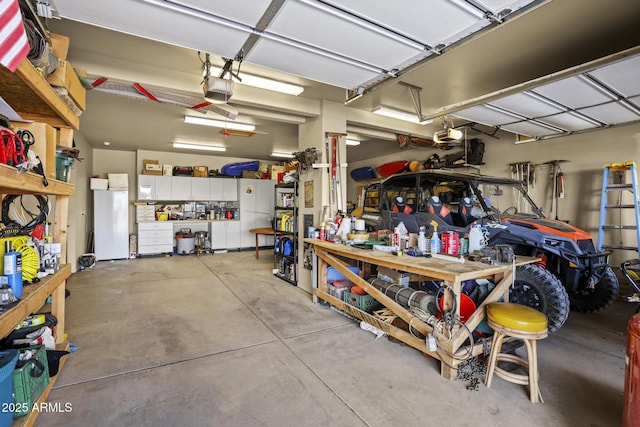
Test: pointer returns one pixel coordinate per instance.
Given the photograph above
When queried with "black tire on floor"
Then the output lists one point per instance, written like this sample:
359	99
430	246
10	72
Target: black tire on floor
536	287
598	298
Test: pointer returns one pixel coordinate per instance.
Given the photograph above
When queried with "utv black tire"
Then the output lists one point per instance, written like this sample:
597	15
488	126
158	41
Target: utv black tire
599	298
538	288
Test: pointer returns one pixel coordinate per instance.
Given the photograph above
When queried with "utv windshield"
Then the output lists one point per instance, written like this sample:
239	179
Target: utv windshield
507	200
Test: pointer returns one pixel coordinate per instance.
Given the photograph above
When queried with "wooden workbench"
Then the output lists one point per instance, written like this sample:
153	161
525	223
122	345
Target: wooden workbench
451	273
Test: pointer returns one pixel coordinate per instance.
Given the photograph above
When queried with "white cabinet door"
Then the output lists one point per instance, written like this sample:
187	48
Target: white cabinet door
146	187
216	189
163	187
218	235
230	190
247	189
264	196
233	234
200	189
181	188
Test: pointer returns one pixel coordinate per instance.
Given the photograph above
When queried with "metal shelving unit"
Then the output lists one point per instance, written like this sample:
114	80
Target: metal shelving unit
285	248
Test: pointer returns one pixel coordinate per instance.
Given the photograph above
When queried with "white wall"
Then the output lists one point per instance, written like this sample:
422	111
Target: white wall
79	215
312	134
113	161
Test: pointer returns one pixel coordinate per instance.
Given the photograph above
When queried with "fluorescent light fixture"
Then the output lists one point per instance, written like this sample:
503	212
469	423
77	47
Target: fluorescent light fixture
352	142
192	120
263	83
400	115
197	146
281	154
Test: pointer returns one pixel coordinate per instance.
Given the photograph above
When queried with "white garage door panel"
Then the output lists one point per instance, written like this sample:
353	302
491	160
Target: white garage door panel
305	23
302	63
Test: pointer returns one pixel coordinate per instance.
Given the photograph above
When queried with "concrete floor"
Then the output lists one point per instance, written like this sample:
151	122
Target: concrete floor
217	340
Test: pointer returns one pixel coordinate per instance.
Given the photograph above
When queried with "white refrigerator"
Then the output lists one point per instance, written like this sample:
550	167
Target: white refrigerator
111	224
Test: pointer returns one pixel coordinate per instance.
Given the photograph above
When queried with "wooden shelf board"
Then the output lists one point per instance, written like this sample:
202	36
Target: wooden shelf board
29	94
34	296
12	182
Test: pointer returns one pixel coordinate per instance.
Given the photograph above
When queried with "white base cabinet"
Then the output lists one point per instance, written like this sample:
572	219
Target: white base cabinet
155	237
225	234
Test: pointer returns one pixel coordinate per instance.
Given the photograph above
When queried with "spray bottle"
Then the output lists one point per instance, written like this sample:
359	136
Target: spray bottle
13	269
435	240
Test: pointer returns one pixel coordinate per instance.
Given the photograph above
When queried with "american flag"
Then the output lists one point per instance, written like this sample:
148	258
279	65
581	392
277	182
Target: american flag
14	45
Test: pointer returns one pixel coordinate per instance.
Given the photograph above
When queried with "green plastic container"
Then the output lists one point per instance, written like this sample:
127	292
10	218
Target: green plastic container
30	380
363	302
63	164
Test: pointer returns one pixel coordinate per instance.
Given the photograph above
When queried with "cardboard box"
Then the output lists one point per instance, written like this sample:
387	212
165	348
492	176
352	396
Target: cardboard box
167	170
46	139
251	174
98	183
118	181
60	46
65	76
201	171
274	170
392	276
151	167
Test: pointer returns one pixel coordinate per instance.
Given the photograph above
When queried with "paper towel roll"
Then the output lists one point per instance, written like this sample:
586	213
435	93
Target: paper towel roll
359	224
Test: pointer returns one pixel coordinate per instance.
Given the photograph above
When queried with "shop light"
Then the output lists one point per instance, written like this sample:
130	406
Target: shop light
400	115
193	120
263	83
281	154
196	146
352	142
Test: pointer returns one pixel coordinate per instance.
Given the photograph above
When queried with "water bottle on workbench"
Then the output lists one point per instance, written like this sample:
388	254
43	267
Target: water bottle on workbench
476	238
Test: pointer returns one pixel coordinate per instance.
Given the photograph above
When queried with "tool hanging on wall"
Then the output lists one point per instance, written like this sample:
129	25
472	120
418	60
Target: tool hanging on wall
557	184
332	143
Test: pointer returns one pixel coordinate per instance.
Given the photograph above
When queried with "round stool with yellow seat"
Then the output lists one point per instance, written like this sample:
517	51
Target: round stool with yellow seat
524	323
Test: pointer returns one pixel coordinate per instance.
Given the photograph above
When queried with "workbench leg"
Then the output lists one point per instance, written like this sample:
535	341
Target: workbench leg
57	309
447	370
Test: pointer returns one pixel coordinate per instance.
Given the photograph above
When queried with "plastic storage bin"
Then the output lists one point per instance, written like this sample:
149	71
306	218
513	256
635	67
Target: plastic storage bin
8	360
339	288
363	302
30	380
63	164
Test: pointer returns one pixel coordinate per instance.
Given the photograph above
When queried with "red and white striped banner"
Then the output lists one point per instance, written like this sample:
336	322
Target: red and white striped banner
14	45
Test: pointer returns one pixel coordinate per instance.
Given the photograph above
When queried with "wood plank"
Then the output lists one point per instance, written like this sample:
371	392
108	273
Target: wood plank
12	182
33	298
428	267
31	96
66	138
58	310
60	225
397	309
